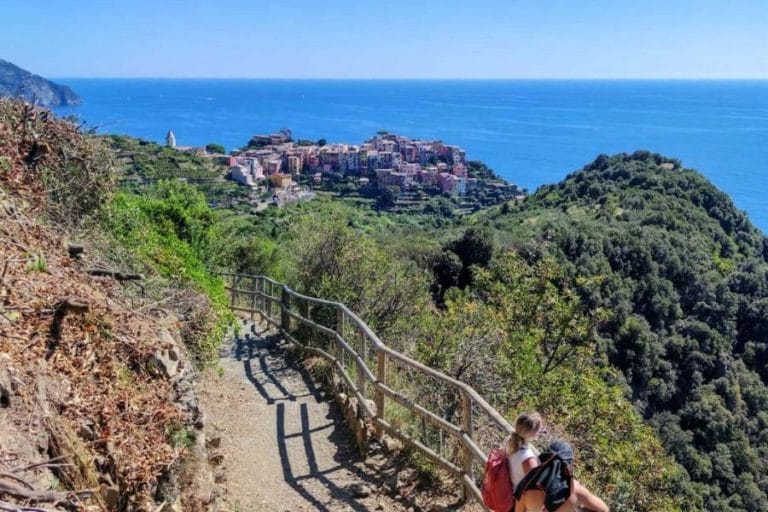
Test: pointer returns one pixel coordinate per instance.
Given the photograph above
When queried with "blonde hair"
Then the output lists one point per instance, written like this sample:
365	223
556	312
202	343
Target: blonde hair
527	425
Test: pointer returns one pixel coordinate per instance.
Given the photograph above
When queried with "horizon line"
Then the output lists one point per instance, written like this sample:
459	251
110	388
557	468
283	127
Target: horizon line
416	79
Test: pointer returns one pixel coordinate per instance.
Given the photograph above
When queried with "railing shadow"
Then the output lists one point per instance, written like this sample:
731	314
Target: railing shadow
344	458
277	385
256	347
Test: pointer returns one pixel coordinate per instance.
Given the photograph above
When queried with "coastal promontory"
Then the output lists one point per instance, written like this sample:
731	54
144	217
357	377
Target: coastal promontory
20	83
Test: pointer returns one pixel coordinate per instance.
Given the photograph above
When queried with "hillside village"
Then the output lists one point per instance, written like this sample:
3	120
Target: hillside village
405	168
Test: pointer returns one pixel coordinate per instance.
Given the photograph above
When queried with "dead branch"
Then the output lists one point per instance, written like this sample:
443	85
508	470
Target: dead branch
46	463
42	496
14	508
119	276
64	307
11	336
31	495
153	305
18	479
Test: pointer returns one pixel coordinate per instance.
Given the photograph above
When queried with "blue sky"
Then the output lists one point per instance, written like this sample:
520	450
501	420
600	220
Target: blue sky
388	39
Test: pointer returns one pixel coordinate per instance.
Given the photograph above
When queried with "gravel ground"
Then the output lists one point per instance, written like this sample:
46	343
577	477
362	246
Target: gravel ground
284	446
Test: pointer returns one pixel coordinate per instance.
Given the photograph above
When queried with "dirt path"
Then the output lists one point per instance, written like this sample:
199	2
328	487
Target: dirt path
285	447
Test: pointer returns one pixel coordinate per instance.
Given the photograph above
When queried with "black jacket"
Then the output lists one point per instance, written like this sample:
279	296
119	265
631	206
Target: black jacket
553	476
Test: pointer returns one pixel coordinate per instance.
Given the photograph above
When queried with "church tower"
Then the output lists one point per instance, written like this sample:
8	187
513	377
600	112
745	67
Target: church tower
170	139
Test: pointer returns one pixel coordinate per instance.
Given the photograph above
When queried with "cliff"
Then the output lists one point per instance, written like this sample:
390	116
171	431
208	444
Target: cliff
20	83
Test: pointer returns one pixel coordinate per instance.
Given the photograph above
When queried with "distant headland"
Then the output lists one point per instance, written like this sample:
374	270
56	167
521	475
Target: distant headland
20	83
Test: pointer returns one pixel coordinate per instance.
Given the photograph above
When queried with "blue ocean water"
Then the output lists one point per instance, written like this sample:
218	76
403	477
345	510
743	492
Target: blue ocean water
532	132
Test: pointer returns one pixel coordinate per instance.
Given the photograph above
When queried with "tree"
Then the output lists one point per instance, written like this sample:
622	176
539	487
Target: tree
336	262
214	148
447	269
386	198
474	248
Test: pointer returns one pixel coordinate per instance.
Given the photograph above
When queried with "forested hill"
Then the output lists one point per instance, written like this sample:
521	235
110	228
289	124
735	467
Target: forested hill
683	277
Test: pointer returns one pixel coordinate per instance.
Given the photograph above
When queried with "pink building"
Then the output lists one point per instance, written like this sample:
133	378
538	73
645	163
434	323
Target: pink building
459	170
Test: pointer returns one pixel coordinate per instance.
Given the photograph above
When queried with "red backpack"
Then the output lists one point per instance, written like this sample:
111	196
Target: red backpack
498	494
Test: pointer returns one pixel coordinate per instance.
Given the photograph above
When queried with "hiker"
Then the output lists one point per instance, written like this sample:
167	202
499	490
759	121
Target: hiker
522	456
551	486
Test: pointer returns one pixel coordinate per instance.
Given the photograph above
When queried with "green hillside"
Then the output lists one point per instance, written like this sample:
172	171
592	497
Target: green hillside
683	278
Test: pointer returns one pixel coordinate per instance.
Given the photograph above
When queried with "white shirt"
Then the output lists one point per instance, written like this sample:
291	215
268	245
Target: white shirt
516	471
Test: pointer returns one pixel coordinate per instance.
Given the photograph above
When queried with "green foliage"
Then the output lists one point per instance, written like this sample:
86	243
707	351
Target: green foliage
338	263
682	277
150	162
36	263
478	169
215	149
386	197
180	436
172	230
523	339
474	249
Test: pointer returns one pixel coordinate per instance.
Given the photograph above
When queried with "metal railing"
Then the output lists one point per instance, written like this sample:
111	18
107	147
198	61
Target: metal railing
369	368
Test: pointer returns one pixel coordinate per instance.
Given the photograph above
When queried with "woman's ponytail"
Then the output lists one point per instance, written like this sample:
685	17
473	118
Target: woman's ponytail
527	425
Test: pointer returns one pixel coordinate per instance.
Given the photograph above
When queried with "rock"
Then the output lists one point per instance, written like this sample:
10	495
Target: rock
166	338
110	495
215	459
85	430
391	444
392	484
6	388
359	490
167	361
214	442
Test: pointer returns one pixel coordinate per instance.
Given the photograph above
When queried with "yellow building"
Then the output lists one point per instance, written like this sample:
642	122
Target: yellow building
280	180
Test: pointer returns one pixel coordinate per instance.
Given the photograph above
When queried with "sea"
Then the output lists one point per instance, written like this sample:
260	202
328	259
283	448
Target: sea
531	132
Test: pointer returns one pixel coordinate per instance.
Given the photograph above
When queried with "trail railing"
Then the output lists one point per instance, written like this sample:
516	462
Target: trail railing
450	423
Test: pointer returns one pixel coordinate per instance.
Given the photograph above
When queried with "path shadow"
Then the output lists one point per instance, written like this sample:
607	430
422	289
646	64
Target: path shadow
345	459
276	378
253	347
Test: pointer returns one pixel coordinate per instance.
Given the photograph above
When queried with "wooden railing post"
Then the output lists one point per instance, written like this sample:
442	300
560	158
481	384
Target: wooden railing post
466	454
254	291
337	350
262	300
271	294
303	328
232	291
285	305
378	399
362	354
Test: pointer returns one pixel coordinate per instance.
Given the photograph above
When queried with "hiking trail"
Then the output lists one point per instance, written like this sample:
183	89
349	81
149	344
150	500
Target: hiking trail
285	445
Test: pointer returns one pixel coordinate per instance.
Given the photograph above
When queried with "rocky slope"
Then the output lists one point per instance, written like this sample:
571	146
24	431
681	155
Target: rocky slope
97	403
20	83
